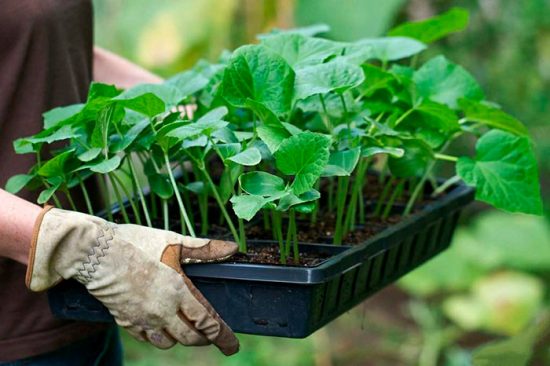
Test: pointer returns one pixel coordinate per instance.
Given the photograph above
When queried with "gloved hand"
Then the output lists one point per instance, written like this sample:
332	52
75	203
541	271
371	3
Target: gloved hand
135	272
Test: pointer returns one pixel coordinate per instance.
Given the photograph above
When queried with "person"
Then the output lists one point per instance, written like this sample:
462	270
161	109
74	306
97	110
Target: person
47	59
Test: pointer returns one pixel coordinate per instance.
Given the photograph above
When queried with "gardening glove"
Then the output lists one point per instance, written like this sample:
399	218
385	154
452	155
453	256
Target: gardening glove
135	272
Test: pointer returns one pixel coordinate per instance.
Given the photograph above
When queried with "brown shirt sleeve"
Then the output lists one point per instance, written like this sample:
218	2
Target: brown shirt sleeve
45	61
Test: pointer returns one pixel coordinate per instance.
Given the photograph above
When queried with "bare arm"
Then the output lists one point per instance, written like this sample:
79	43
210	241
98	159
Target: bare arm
17	218
110	68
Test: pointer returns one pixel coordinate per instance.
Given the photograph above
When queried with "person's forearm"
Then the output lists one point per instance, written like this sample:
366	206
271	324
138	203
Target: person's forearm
17	218
110	68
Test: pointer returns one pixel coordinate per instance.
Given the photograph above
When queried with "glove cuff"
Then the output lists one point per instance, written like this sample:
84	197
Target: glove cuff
32	249
66	245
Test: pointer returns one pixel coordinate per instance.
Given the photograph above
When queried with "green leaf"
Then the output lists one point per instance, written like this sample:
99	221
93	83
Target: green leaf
188	83
47	194
300	51
337	75
444	82
504	172
18	182
228	150
304	156
290	199
342	163
272	132
246	206
375	79
56	166
206	125
100	91
89	155
309	31
259	74
58	115
261	183
492	117
432	29
148	104
168	94
415	160
105	166
129	136
195	187
248	157
375	150
160	185
383	49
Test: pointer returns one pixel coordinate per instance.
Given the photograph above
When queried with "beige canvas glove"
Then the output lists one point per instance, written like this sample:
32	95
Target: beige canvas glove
135	272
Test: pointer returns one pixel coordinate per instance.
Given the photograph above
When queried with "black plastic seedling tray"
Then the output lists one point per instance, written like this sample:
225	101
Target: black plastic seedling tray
295	301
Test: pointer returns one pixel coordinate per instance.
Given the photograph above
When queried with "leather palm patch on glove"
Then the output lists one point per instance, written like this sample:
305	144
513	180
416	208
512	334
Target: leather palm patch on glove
135	272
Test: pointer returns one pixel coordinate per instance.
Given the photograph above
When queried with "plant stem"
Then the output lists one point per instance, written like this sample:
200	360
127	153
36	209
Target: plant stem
419	187
56	201
403	116
223	209
165	214
140	192
119	199
448	183
383	196
265	216
130	197
325	116
396	193
86	196
357	188
277	227
342	192
105	194
69	198
446	157
296	252
345	111
183	212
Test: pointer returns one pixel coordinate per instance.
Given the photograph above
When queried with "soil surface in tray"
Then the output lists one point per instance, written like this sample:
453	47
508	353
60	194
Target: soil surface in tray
270	255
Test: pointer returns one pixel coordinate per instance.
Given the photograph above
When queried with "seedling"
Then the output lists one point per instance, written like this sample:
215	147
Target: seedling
286	131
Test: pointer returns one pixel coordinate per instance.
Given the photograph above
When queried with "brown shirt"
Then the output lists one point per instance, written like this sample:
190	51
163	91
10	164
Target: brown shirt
45	61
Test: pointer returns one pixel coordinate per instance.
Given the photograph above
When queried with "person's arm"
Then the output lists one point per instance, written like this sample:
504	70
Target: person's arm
110	68
17	218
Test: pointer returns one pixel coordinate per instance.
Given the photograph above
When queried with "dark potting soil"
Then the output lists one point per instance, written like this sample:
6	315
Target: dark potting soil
270	255
322	230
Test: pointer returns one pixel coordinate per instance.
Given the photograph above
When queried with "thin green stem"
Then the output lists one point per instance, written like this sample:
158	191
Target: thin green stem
345	110
165	214
135	210
86	196
396	193
325	116
56	201
277	226
295	249
403	116
383	196
140	192
183	212
446	157
119	199
341	195
446	185
417	190
105	194
69	198
223	209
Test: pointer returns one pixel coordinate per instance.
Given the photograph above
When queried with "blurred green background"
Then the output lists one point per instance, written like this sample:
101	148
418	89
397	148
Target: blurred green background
492	285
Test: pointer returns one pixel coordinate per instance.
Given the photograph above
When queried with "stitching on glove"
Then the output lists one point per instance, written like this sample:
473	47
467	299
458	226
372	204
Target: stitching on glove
97	251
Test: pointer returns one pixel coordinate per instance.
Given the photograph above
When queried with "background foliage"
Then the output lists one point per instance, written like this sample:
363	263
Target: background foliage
493	283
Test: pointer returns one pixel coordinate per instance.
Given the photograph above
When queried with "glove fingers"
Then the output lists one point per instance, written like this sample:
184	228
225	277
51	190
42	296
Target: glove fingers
212	251
182	330
159	338
202	316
